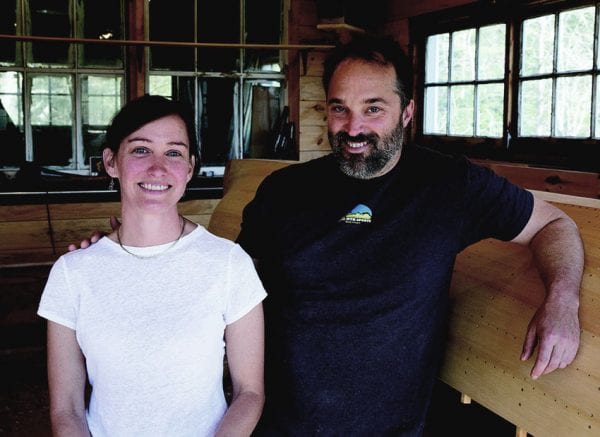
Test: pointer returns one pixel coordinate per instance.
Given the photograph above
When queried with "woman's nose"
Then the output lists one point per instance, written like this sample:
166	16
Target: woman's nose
157	164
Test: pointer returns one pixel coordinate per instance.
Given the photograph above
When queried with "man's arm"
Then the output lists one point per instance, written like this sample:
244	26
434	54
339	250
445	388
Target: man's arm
557	249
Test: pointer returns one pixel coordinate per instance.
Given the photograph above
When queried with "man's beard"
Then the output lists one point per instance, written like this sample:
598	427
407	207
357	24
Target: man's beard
370	164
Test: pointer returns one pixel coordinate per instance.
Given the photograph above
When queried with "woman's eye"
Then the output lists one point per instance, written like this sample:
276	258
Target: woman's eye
139	151
174	153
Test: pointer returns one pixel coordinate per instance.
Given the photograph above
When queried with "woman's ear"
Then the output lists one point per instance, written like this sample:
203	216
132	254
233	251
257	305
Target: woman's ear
191	169
110	164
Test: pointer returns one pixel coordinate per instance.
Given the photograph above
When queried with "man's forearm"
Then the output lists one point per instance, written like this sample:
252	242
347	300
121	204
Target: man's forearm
558	253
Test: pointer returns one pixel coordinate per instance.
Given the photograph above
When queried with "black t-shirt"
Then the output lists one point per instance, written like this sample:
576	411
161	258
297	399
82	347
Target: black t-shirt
357	274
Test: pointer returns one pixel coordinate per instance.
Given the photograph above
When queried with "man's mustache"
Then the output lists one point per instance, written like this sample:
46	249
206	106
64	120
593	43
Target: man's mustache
345	137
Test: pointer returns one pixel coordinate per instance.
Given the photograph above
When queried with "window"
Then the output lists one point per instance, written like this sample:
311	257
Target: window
238	94
56	99
555	85
515	84
464	82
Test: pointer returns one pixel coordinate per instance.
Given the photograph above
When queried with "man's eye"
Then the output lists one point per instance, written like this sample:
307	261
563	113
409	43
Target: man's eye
337	109
373	109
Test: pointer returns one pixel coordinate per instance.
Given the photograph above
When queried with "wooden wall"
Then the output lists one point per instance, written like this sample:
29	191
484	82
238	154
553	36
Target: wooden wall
39	233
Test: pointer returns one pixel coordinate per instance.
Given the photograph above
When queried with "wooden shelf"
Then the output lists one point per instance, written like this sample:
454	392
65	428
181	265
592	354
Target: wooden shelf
339	27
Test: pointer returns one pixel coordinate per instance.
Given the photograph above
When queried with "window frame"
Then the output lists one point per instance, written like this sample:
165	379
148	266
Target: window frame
134	74
77	164
239	76
565	153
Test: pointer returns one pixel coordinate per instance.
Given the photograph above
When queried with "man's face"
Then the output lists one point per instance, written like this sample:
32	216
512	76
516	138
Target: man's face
366	120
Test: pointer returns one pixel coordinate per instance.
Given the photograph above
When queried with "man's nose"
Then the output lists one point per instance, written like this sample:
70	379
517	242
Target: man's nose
354	124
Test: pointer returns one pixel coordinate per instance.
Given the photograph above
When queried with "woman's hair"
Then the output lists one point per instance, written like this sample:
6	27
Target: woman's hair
374	50
144	110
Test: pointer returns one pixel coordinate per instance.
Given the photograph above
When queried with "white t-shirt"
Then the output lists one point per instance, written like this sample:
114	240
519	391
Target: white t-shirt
152	330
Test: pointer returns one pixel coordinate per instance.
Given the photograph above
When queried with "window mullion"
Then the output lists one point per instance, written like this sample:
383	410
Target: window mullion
476	87
27	116
594	76
511	81
554	77
449	80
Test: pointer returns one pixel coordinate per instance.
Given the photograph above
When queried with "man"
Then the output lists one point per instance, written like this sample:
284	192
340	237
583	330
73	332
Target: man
356	251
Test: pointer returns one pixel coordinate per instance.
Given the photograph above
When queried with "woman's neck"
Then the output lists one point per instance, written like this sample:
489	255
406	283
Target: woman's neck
150	229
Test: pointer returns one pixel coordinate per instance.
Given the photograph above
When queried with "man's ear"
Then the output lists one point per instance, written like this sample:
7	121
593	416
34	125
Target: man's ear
110	162
191	170
408	112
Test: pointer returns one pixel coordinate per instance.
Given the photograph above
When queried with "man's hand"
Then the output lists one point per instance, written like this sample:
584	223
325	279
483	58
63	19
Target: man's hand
84	244
555	329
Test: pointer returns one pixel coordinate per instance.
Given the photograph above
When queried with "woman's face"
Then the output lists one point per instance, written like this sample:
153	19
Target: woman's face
153	164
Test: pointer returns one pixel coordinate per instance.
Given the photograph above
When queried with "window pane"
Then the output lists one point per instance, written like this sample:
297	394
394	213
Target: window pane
100	100
436	110
538	46
535	108
8	26
573	106
490	110
263	24
160	85
492	49
12	139
216	125
218	21
102	20
263	109
436	61
49	18
51	119
576	39
463	55
461	110
168	23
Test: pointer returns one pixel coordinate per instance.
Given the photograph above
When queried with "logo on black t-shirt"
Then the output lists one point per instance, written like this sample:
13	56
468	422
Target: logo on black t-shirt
359	214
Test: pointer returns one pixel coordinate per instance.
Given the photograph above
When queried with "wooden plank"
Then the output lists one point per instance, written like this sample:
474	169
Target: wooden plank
16	213
314	63
24	235
586	184
198	206
313	113
314	138
311	88
311	154
85	210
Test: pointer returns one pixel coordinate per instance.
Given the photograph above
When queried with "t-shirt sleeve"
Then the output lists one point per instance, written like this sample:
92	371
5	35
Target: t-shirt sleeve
58	302
245	289
253	236
496	207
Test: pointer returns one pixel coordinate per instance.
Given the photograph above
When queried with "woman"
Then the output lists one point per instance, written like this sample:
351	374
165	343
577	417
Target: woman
146	313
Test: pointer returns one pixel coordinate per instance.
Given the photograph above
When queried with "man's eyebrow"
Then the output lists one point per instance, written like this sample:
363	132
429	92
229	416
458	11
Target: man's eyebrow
371	100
